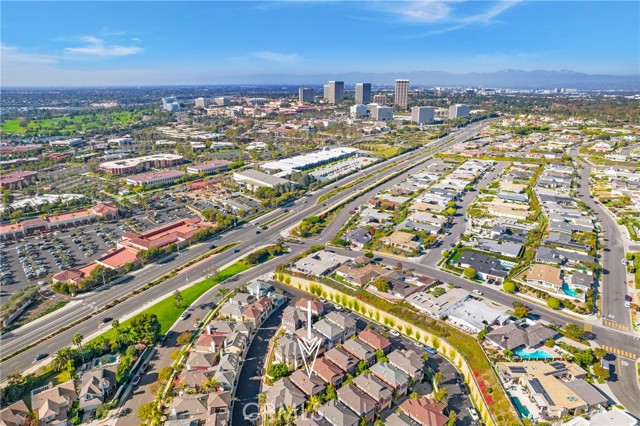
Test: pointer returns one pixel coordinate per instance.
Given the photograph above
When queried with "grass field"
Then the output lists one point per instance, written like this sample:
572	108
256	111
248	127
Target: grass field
168	313
386	151
69	125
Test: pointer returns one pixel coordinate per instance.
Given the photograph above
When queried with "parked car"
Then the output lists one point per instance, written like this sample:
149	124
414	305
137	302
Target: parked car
184	316
135	381
394	333
430	350
477	292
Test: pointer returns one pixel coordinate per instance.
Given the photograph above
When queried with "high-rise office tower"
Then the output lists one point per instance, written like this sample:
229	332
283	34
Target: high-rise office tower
336	92
363	93
458	110
305	95
423	114
402	95
325	92
380	99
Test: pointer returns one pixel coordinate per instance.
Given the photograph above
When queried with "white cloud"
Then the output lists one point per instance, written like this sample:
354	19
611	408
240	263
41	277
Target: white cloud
444	12
11	54
95	47
281	58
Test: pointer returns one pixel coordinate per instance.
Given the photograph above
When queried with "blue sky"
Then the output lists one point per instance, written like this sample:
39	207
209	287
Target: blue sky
190	42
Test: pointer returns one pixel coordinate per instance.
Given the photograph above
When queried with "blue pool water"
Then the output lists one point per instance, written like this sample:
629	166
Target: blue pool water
524	412
537	354
569	291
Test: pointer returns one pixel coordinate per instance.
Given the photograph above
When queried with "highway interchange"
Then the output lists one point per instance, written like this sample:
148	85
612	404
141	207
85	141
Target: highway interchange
624	384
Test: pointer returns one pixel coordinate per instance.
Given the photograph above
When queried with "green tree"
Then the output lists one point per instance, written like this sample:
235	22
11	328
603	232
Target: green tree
362	367
600	353
509	286
177	298
601	372
414	395
184	338
148	411
115	324
553	303
574	330
313	403
441	395
381	284
521	312
469	273
144	328
77	340
437	379
380	356
329	393
453	417
278	370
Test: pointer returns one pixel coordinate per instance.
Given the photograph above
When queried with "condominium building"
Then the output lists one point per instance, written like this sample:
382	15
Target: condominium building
423	114
305	95
402	95
363	93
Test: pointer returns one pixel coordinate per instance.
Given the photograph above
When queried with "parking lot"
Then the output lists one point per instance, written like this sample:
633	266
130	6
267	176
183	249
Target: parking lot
35	259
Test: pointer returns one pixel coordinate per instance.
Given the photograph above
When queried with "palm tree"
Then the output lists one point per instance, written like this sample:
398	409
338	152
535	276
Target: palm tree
61	358
209	384
313	404
116	324
77	340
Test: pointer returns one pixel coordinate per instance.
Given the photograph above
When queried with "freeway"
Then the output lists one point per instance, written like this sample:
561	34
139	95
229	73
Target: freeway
245	233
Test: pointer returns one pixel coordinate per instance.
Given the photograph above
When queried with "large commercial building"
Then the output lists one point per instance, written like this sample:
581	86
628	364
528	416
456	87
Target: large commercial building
363	93
214	166
336	92
358	111
222	101
423	114
380	99
305	95
458	110
402	95
138	164
202	102
17	179
310	161
170	104
166	177
254	179
380	112
69	143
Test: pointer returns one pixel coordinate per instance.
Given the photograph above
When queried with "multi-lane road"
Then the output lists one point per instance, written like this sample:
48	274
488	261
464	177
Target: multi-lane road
245	234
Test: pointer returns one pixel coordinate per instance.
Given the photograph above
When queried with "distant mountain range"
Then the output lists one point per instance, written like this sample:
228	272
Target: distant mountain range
509	78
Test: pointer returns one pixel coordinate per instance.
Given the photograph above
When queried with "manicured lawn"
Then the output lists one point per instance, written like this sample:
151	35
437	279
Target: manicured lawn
67	125
12	126
168	313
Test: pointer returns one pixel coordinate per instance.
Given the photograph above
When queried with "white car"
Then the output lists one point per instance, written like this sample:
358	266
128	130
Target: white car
394	333
627	304
474	414
477	292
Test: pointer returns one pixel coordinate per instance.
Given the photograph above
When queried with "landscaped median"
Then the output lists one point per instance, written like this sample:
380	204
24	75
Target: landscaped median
461	349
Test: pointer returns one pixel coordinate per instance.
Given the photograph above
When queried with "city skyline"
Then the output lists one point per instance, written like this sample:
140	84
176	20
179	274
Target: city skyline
105	44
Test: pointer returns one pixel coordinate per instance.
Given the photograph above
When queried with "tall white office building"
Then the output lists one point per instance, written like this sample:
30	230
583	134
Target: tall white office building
423	114
458	110
402	95
170	104
363	93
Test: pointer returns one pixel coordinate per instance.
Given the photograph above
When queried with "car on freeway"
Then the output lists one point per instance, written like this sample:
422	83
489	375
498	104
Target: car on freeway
41	356
394	333
477	292
107	319
236	250
258	232
212	246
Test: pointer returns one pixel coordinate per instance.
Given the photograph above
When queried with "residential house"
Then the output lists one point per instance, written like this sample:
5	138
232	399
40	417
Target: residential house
360	276
342	359
345	322
337	414
425	410
287	351
358	237
407	361
52	404
97	385
330	332
486	267
209	343
374	339
317	308
232	311
283	393
200	360
192	380
396	379
402	240
358	401
320	263
520	335
381	392
16	414
546	276
473	315
360	350
243	299
260	288
328	371
235	343
292	319
309	385
438	306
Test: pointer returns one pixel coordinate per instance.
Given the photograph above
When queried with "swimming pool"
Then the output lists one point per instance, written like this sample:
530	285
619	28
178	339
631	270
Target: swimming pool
537	354
569	291
524	412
